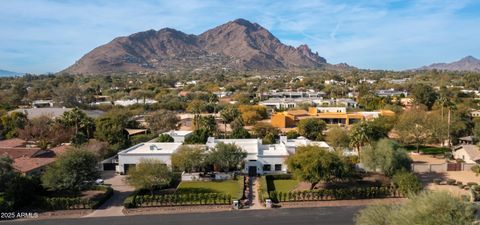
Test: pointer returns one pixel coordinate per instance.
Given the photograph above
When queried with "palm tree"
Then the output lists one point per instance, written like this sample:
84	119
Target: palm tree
360	135
444	102
228	115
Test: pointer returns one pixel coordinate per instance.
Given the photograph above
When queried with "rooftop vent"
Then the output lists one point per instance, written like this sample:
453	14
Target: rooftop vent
154	147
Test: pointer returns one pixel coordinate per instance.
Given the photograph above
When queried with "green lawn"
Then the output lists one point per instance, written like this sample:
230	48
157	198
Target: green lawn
285	185
427	149
231	187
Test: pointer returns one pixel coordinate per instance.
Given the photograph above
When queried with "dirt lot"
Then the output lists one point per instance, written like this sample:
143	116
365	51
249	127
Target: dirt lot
427	159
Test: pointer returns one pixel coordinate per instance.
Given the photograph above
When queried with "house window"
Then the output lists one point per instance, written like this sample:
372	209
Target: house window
267	167
278	167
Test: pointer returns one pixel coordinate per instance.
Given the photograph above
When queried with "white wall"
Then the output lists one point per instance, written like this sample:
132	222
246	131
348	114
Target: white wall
462	154
135	159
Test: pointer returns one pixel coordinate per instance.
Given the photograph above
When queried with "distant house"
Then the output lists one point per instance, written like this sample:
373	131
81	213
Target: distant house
42	103
468	153
179	135
129	102
391	93
331	115
27	159
475	113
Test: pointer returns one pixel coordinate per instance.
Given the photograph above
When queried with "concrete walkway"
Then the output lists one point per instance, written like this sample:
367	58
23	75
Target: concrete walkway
255	198
114	206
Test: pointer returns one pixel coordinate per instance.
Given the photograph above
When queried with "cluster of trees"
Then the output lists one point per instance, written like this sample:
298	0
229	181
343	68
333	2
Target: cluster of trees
73	172
151	174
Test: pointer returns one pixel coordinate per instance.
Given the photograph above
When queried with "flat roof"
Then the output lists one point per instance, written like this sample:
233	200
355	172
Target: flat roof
152	148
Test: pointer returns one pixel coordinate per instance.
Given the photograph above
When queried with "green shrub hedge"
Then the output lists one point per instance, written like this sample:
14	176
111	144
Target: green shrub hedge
135	201
65	203
335	194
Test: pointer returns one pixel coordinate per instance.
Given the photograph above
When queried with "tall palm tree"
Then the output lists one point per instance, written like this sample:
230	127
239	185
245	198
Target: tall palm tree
228	115
360	135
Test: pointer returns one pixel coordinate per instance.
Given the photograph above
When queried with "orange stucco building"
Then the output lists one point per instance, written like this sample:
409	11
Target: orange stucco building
289	119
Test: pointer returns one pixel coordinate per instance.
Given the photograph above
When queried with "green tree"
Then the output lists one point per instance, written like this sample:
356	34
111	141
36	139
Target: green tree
74	171
314	164
360	135
412	127
228	157
6	171
240	133
427	208
162	121
386	156
188	159
150	174
112	130
197	137
11	123
292	134
79	120
165	138
311	128
228	115
338	138
424	94
406	182
267	132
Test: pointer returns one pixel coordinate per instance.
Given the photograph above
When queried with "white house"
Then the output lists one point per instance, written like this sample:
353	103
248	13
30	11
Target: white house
150	150
467	153
179	135
261	158
266	158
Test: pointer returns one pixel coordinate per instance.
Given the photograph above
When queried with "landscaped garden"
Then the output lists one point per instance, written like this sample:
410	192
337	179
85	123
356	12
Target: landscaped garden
191	193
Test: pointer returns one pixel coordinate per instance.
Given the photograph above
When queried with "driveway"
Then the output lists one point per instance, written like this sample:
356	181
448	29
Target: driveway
114	206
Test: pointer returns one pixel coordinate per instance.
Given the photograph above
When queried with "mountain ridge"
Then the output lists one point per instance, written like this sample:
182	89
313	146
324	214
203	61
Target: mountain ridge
467	63
238	44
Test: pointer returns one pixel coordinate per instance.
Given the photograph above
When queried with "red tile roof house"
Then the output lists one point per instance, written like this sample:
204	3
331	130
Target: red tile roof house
29	160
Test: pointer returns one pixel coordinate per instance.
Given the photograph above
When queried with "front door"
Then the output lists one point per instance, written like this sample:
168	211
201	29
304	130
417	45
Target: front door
252	171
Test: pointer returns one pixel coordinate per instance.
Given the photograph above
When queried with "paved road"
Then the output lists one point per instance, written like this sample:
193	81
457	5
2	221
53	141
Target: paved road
297	216
114	206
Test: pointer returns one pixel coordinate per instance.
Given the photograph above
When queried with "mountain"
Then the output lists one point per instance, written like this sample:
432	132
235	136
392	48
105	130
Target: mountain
6	73
468	63
238	44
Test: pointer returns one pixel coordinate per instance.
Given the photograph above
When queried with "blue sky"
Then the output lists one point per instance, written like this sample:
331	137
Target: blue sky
41	36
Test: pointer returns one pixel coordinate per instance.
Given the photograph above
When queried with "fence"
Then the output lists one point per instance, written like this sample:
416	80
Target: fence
441	168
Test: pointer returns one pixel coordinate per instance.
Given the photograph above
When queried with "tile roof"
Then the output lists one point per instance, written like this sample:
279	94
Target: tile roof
19	152
27	164
11	143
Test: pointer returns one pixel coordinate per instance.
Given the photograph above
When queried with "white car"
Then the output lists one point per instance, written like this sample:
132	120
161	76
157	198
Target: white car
99	181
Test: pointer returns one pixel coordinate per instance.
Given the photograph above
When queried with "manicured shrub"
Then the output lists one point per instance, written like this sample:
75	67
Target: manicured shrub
451	181
407	183
437	180
459	183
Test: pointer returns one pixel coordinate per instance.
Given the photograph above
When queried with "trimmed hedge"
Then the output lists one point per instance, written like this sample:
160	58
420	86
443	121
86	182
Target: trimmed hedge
65	203
335	194
135	201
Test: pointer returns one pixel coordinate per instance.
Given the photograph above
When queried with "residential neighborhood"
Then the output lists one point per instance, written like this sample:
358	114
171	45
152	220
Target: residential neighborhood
243	112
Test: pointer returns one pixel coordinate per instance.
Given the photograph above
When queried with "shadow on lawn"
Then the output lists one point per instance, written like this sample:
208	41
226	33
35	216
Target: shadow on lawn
427	177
